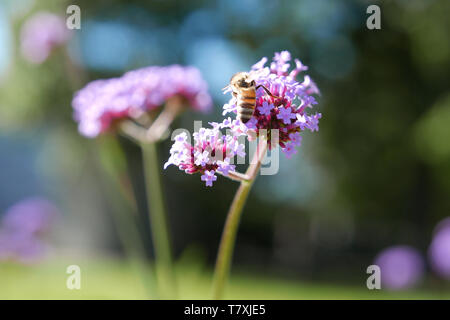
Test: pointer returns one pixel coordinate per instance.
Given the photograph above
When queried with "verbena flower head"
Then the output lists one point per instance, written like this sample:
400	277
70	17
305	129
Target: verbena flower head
103	102
211	151
42	33
22	227
289	110
401	267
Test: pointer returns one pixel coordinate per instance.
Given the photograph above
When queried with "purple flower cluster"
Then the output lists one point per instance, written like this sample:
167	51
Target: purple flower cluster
22	228
439	250
287	110
401	267
42	33
103	102
211	151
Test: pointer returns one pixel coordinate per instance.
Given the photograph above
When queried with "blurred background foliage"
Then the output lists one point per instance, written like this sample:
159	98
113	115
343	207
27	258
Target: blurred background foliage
376	175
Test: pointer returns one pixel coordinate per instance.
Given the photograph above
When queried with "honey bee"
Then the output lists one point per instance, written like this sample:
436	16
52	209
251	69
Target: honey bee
243	88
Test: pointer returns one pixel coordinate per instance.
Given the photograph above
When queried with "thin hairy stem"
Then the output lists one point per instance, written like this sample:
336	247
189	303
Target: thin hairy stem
236	176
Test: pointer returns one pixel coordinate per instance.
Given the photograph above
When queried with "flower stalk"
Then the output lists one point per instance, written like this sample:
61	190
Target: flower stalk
171	110
227	242
124	213
155	197
158	222
147	138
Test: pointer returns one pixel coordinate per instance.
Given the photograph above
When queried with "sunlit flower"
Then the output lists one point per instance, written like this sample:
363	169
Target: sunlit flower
287	109
101	103
211	151
41	34
265	108
284	110
286	115
209	177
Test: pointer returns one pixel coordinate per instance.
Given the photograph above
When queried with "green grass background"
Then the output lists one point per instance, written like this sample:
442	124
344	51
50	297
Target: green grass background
117	279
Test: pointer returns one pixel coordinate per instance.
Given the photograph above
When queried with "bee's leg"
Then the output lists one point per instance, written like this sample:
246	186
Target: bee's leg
266	90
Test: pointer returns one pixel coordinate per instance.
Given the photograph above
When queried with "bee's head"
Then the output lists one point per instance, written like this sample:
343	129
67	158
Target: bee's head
242	80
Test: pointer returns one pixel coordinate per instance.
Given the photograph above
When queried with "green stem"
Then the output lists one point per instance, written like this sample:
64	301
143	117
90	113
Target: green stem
228	239
158	222
129	236
124	212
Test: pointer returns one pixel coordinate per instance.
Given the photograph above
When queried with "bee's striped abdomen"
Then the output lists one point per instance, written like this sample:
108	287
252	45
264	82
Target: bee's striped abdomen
246	99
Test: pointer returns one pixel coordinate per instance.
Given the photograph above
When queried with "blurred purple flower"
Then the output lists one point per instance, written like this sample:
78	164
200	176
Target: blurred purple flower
42	33
21	228
21	247
439	250
32	215
401	267
287	110
102	102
